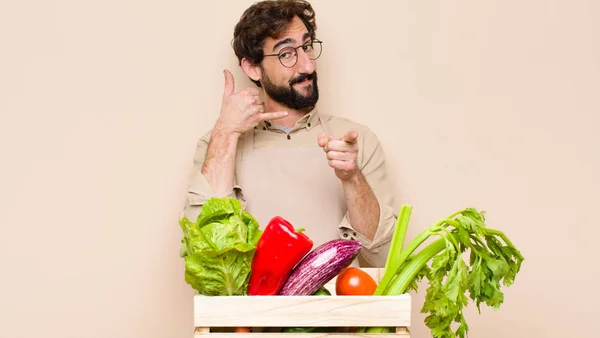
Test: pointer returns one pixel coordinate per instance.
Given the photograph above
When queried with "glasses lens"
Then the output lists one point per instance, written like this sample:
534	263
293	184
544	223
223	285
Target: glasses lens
314	50
288	56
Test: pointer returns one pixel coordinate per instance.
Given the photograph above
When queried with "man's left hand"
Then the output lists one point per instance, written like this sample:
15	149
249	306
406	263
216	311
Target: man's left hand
341	153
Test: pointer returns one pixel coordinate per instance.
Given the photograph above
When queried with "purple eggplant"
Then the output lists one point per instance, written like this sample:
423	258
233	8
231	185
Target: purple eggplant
320	266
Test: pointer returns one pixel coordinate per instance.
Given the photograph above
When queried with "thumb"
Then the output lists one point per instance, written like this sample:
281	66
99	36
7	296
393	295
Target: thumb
229	83
350	137
322	139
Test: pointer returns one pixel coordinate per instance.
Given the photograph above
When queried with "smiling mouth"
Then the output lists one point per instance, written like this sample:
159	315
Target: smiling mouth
304	82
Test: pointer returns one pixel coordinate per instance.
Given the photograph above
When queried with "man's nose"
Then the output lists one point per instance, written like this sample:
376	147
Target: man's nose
305	64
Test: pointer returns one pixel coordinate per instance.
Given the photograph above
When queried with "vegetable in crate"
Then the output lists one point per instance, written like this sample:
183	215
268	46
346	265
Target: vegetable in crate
354	282
279	249
493	259
320	266
219	247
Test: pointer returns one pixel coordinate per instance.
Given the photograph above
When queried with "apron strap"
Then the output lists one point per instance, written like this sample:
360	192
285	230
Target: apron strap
248	142
325	126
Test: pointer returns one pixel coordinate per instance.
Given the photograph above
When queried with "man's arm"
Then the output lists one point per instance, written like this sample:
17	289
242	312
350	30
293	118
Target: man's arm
214	161
238	114
219	164
361	202
371	214
363	207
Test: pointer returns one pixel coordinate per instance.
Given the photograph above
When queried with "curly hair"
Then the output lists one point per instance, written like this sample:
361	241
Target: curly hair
268	18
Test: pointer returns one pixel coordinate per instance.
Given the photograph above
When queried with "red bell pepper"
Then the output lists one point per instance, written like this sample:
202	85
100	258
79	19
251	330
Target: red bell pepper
278	250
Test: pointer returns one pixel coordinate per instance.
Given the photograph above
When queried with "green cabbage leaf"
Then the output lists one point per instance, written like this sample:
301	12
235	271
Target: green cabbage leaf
219	247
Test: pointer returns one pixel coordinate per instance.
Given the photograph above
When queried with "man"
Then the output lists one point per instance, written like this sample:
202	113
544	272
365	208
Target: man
272	150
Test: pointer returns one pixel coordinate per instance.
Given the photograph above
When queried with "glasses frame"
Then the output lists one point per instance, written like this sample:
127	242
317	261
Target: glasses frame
312	42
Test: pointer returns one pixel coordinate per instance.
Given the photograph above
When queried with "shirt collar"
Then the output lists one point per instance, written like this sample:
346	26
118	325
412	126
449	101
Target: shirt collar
307	121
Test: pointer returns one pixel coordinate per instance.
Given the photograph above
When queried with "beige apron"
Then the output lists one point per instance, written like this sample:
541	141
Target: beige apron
295	183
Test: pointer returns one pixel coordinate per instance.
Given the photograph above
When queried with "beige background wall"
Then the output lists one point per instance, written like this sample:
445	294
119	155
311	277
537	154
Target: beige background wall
492	104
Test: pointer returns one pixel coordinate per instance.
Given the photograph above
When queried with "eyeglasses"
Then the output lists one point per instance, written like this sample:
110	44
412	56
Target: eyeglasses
288	56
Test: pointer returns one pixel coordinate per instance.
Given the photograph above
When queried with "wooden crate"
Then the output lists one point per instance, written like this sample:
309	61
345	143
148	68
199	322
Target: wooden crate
298	311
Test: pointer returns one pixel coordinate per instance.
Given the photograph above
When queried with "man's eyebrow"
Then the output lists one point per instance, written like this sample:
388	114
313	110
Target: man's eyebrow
288	40
282	42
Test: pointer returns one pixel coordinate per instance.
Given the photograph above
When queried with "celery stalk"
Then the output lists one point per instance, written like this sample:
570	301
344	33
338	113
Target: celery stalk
397	262
494	261
399	234
411	270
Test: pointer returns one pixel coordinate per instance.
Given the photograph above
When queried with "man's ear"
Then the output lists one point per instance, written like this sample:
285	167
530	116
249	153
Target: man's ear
252	70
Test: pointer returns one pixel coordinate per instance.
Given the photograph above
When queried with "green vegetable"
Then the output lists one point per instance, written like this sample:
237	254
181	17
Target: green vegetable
493	260
322	292
219	248
398	237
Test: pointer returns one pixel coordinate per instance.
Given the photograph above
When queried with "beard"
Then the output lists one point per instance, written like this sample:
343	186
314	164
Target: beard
288	96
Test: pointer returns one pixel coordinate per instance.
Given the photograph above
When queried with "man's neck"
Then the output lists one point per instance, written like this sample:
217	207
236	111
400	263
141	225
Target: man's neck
293	114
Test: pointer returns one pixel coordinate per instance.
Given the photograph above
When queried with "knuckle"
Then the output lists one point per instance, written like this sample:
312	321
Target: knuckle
251	92
251	100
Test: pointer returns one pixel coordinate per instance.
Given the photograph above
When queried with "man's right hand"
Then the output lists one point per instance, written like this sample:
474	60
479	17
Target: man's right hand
243	110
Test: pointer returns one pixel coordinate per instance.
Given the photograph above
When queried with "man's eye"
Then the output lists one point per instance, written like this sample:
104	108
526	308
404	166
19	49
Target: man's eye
285	55
307	48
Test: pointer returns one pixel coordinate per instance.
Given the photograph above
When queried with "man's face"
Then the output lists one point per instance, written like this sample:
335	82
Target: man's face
294	87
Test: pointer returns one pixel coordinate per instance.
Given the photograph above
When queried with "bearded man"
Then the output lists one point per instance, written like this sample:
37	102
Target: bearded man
278	155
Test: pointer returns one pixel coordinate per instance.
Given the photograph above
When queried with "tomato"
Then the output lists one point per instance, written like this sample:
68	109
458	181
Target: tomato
354	282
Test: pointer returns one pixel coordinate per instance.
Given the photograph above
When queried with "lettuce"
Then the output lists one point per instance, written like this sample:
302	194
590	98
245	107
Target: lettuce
218	249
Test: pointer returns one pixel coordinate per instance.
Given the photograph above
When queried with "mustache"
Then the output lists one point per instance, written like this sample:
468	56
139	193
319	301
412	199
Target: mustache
303	77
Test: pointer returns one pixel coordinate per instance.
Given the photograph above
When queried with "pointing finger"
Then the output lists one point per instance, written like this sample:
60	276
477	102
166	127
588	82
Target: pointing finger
339	145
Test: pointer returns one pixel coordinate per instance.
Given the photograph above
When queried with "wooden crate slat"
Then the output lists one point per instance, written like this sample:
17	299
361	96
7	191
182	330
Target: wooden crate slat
292	311
310	311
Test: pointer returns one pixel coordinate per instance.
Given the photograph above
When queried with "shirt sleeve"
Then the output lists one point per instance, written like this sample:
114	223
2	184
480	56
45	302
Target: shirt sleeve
373	166
199	189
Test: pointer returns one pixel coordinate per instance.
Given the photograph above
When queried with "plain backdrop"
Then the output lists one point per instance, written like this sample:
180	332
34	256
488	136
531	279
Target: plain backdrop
492	104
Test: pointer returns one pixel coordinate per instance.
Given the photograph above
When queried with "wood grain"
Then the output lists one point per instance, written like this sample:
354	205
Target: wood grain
308	311
302	311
